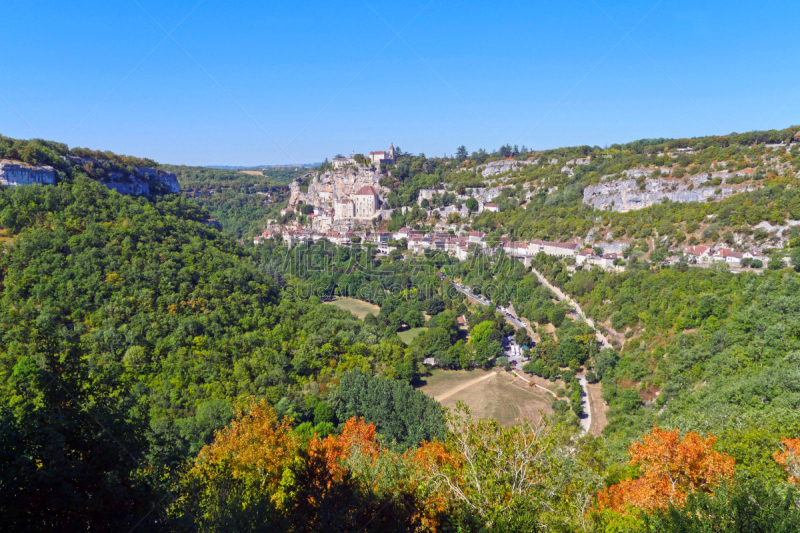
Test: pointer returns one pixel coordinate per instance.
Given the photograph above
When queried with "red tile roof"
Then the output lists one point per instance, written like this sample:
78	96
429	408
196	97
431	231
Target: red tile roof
367	190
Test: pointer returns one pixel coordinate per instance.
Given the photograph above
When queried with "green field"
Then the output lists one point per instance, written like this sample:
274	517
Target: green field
357	307
492	397
410	334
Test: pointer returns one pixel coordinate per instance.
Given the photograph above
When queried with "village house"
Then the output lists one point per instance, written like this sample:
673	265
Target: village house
606	261
343	209
402	233
728	256
559	249
584	256
494	208
366	203
462	252
516	249
477	237
341	162
699	254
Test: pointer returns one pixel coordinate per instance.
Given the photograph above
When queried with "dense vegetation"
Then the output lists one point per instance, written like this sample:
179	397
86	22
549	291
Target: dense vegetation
132	313
541	201
156	375
232	197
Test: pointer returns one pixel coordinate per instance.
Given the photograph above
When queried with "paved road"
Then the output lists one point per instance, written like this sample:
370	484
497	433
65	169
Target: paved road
601	339
511	317
516	362
586	419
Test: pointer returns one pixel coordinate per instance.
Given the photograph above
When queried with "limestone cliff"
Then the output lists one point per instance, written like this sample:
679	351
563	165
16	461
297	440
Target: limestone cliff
13	173
626	195
498	167
335	185
143	182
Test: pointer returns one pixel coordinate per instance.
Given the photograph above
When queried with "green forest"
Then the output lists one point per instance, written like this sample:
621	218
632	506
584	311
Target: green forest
155	374
241	203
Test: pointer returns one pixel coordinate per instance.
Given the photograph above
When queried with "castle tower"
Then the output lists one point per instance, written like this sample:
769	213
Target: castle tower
391	152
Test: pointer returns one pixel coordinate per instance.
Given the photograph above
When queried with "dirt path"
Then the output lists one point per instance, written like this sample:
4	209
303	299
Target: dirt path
535	384
461	387
598	409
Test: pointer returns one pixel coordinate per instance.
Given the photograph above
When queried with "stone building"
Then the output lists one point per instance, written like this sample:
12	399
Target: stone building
343	209
382	157
366	203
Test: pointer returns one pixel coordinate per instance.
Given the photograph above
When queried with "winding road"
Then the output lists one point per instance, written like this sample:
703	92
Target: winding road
601	339
586	419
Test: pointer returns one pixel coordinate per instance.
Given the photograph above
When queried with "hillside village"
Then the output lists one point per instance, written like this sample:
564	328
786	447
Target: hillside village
351	202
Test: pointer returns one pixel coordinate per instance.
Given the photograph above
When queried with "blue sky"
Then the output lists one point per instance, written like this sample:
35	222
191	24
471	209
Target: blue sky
246	83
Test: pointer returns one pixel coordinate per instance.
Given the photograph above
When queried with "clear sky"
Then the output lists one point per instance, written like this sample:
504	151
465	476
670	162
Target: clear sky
246	83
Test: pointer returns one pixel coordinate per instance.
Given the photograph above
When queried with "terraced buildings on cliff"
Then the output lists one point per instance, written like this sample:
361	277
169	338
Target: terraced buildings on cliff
348	195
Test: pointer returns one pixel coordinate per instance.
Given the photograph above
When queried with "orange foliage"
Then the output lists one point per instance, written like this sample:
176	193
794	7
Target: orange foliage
328	455
671	469
789	458
255	447
258	456
435	503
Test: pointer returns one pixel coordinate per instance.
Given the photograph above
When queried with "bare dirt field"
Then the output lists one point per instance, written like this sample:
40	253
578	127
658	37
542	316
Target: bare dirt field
488	394
357	307
252	172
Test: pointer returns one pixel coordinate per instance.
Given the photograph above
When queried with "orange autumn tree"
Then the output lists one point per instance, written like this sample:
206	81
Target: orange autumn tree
259	471
789	458
672	467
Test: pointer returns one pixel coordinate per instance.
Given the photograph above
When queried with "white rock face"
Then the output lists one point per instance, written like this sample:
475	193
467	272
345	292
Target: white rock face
498	167
14	173
334	185
625	195
167	179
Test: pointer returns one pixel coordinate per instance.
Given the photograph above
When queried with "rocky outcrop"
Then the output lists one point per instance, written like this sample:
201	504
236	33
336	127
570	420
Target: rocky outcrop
498	167
167	180
144	182
13	173
627	195
335	185
135	187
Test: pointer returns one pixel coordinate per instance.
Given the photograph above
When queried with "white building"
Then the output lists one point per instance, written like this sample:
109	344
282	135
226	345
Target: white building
343	209
366	203
559	249
341	162
382	157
